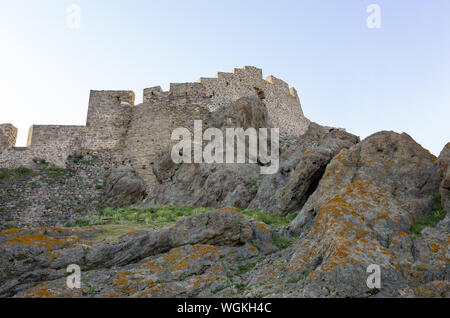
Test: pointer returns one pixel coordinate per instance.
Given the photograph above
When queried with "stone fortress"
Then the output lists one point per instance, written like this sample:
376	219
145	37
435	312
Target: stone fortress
135	134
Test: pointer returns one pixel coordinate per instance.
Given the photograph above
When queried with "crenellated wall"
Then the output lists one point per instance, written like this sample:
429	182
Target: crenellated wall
134	134
282	103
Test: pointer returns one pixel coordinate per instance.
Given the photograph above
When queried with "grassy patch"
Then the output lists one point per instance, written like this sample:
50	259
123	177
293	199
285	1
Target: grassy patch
428	221
15	172
11	225
240	287
245	268
156	217
164	216
295	280
282	242
220	288
270	219
76	158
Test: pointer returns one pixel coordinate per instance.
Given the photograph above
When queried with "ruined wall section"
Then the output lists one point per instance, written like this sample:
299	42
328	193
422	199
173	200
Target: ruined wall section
53	143
108	118
109	114
282	102
8	135
154	120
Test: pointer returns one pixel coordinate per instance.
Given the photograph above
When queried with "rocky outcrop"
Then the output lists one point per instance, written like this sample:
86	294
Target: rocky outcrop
215	185
302	166
361	213
246	112
357	204
123	187
301	169
443	172
208	185
31	256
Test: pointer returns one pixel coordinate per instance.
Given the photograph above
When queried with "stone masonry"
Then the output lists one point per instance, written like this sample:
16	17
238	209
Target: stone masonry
134	134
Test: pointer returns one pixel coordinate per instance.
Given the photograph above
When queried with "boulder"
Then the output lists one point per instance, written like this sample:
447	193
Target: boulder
361	214
123	187
207	185
300	170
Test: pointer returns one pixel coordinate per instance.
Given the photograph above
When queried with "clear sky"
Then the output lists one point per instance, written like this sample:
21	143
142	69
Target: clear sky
347	75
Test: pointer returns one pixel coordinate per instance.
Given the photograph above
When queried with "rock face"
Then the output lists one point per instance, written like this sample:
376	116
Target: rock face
302	166
209	185
357	204
360	214
443	170
30	256
123	187
246	112
215	185
300	170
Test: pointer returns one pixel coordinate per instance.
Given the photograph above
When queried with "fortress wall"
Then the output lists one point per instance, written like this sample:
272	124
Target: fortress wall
107	121
153	94
151	127
53	143
8	135
282	103
135	135
40	135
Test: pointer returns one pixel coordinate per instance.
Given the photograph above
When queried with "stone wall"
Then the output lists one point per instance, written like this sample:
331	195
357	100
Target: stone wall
151	127
134	135
8	135
282	102
108	118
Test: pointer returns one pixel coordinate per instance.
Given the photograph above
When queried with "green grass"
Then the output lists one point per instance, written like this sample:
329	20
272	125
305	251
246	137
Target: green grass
282	242
295	280
15	172
11	225
164	216
240	287
428	221
220	288
157	217
76	158
245	268
270	219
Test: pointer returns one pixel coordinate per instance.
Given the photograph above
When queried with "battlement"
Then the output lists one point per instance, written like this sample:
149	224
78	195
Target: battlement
246	76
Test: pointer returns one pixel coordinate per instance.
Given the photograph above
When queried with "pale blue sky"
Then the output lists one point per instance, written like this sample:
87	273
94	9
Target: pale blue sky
347	75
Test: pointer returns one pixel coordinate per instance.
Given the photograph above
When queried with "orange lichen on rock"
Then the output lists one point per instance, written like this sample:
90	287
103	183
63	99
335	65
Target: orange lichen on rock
39	239
263	227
